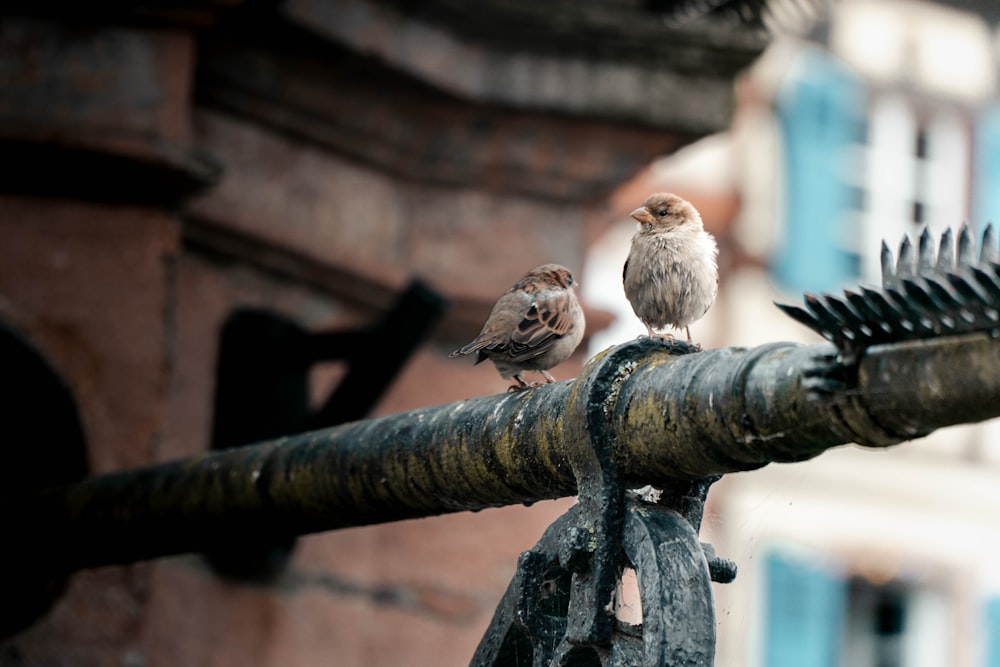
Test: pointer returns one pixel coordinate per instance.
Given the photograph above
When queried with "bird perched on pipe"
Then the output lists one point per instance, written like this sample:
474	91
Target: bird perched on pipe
534	326
671	277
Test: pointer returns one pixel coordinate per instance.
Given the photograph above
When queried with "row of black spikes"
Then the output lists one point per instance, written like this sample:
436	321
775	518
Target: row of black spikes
926	292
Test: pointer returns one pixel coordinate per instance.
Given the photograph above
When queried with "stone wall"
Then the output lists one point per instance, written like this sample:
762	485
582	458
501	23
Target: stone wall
164	164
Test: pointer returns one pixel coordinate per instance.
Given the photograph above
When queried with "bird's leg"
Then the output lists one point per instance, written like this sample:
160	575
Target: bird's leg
696	346
521	384
548	377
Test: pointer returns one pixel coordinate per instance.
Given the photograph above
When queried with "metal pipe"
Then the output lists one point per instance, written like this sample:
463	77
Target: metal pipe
672	417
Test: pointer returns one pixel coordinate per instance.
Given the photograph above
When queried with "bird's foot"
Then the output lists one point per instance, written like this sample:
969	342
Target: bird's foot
660	336
548	378
669	337
521	384
524	387
696	346
673	340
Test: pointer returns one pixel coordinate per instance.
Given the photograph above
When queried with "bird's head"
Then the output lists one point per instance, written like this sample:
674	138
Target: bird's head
555	275
665	212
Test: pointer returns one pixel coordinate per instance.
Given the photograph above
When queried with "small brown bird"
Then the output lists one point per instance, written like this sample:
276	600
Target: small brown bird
534	326
671	277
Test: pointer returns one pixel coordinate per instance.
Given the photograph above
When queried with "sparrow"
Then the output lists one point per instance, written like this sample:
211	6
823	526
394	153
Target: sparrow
670	276
534	326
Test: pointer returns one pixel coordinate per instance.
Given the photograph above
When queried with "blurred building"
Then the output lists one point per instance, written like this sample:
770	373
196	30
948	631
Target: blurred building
872	124
169	167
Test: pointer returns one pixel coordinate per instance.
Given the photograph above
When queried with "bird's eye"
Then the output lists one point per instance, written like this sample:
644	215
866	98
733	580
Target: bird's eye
662	212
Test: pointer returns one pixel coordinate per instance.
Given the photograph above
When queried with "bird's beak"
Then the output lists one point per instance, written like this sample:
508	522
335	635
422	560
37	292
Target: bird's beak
643	215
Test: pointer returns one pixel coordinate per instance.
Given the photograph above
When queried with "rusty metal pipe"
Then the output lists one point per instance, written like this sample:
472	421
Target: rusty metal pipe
672	417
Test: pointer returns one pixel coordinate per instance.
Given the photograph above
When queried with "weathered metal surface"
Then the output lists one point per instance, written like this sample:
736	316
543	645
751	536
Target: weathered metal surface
533	622
678	614
559	610
591	551
672	418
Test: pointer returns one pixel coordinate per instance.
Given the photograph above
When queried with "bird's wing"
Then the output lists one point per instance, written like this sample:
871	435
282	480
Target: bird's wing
508	311
524	326
548	319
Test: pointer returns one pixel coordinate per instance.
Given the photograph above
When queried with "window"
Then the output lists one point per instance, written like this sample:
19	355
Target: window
862	166
915	174
816	616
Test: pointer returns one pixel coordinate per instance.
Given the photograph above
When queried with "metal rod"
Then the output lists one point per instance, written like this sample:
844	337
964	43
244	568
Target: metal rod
674	417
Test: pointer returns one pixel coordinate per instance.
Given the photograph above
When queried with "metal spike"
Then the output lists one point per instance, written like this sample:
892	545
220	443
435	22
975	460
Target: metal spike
943	293
920	295
966	246
987	280
946	252
926	253
890	315
827	319
873	318
904	265
969	290
929	289
909	319
887	267
848	316
988	251
800	315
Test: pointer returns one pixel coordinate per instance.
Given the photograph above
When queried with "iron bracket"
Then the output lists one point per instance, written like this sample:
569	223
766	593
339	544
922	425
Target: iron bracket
559	610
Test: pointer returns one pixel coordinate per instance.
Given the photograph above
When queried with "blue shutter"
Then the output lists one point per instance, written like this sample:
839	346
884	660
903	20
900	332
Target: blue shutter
804	613
991	632
986	193
820	110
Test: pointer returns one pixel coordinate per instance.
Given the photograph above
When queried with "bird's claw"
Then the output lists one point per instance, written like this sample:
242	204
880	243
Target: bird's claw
522	384
669	337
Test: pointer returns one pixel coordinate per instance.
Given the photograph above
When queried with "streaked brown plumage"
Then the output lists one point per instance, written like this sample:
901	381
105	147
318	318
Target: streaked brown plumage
534	326
671	277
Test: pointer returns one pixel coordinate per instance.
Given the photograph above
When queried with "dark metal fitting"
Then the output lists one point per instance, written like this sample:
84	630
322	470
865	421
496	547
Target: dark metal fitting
576	549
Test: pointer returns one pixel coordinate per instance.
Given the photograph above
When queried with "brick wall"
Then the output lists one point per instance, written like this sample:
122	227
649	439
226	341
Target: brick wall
163	167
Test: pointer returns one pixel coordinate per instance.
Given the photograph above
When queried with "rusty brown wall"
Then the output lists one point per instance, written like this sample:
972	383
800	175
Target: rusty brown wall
163	164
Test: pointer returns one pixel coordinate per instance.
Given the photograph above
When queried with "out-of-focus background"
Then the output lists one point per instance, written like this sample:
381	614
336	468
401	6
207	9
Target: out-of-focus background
189	187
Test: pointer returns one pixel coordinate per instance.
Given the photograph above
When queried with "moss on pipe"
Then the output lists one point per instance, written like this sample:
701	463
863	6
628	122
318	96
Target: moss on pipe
671	417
